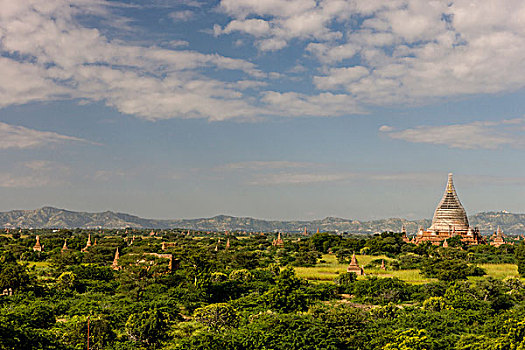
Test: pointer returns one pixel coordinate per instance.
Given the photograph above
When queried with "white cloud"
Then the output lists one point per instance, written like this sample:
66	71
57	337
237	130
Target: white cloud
332	54
181	16
255	27
271	44
248	84
385	128
289	19
476	135
47	59
368	53
13	136
24	82
324	105
243	8
338	77
416	51
178	43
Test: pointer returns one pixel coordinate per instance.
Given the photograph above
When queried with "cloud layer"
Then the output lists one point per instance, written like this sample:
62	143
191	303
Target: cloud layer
358	53
13	136
394	52
476	135
49	55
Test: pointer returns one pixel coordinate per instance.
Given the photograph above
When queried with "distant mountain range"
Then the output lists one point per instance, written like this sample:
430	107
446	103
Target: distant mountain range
49	217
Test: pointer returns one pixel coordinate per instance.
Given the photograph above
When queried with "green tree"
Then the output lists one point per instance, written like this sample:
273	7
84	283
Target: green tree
288	293
148	327
449	270
410	339
284	332
519	252
74	332
436	304
12	274
217	316
67	281
345	281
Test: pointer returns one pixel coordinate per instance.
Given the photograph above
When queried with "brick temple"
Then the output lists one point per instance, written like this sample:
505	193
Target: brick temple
450	219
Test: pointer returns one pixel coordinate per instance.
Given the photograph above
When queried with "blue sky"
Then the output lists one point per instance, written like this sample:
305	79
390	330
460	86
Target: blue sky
279	109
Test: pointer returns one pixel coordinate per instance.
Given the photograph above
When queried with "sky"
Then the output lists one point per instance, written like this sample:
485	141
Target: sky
275	109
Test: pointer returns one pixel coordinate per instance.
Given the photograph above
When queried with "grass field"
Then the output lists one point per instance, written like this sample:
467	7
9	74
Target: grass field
328	270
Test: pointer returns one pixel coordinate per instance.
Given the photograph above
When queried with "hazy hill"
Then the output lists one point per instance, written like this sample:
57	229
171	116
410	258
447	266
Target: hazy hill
49	217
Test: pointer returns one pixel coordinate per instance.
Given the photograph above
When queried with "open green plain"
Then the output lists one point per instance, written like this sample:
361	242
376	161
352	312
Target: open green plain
330	268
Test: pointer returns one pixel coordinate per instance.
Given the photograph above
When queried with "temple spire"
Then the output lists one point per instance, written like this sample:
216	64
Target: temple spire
354	260
450	184
88	244
115	265
449	212
64	247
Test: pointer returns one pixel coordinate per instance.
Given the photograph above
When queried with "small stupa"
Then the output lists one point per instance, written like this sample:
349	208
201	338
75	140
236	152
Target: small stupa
354	266
404	232
115	265
88	244
279	241
37	247
498	240
64	247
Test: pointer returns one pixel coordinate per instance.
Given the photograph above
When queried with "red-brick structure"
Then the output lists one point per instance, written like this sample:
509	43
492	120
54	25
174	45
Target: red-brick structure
64	247
450	219
354	266
88	244
404	232
115	265
279	241
166	245
498	238
37	247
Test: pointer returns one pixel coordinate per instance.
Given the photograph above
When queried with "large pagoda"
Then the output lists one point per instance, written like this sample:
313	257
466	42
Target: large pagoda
450	219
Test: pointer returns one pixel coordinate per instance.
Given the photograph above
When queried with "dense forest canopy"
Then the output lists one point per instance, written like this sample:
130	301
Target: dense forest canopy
176	289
